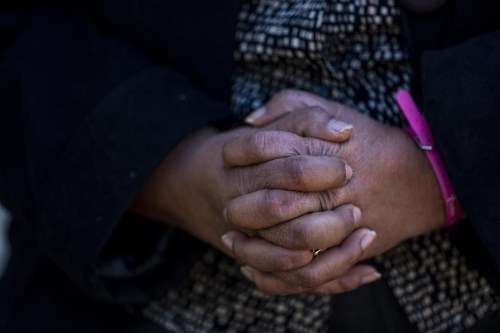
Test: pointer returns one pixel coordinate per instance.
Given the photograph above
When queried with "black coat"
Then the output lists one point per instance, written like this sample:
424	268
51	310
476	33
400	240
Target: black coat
95	93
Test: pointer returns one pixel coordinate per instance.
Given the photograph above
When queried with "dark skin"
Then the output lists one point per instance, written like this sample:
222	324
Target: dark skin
287	193
393	185
193	185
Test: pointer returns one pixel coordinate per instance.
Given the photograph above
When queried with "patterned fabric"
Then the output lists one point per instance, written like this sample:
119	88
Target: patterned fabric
433	283
215	297
348	51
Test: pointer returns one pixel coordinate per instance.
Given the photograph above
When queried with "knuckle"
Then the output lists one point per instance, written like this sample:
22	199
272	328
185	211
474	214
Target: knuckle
332	149
284	262
311	119
336	150
242	183
316	114
302	235
275	203
308	278
257	142
298	171
292	260
322	148
328	200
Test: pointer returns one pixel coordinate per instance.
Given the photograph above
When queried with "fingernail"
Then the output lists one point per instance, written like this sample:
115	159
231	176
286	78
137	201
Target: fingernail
367	239
348	172
246	271
338	126
224	214
371	277
356	213
255	115
227	240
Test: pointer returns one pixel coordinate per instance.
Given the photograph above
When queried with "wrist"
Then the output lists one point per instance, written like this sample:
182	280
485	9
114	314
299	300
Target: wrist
187	190
159	198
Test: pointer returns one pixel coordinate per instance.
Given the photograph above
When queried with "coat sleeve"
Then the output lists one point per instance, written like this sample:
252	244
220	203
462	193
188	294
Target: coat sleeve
461	98
86	117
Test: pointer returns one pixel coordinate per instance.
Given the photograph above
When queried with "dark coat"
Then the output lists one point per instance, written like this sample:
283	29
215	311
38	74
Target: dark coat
95	93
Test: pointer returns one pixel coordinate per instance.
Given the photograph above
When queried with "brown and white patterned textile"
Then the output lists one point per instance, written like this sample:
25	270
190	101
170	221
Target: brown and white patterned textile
433	283
215	297
349	51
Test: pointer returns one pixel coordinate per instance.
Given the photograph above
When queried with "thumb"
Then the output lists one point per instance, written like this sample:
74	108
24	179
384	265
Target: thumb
284	102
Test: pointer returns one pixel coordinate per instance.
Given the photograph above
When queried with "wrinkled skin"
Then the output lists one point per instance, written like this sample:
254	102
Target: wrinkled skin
194	184
393	185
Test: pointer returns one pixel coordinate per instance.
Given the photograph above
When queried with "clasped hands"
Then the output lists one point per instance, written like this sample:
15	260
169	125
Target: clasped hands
392	195
313	174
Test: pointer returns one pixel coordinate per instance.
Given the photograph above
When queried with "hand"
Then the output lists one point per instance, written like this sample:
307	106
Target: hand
393	185
192	185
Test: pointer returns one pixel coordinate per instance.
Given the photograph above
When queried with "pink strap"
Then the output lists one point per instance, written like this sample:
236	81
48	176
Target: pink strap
420	131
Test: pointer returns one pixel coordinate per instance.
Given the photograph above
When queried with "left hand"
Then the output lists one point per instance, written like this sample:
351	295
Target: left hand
393	185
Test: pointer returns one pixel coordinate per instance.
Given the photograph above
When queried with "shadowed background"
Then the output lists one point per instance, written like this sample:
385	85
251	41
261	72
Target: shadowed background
4	249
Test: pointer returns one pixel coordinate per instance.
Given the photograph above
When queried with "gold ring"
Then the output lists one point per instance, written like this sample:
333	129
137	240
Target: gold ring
316	252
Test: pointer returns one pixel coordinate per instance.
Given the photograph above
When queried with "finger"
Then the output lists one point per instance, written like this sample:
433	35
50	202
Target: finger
295	173
356	277
261	254
288	101
282	103
313	122
332	263
268	207
261	146
319	230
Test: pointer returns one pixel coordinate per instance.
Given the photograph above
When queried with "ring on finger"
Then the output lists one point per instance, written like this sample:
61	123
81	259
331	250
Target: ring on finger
316	252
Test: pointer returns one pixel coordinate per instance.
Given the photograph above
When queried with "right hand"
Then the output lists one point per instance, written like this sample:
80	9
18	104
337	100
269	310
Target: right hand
393	185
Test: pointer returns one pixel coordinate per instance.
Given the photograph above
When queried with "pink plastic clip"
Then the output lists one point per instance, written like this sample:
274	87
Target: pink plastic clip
420	131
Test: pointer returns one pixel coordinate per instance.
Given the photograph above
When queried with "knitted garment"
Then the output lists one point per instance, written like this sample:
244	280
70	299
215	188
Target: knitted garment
350	52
